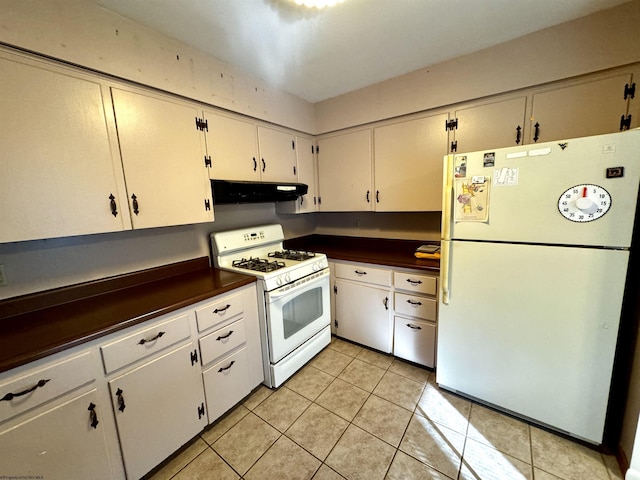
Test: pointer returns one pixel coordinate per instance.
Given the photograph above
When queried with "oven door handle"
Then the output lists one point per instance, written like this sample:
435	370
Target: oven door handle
289	290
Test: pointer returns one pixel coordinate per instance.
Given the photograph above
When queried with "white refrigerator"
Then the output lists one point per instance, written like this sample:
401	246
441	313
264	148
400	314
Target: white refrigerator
534	254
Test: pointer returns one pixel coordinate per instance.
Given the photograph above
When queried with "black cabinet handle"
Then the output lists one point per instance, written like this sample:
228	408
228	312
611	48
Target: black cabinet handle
414	282
112	204
255	164
121	405
147	340
93	416
386	303
10	396
536	132
222	369
136	210
264	165
413	327
359	273
518	135
414	303
222	337
220	310
367	196
377	196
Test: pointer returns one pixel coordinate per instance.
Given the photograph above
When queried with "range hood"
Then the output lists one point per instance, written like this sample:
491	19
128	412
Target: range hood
231	191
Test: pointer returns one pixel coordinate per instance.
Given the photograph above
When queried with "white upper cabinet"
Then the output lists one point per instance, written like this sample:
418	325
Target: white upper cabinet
232	145
163	156
490	125
61	173
344	172
277	155
305	151
592	107
408	164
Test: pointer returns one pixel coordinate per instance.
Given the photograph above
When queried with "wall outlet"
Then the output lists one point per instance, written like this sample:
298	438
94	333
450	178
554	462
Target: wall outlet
3	277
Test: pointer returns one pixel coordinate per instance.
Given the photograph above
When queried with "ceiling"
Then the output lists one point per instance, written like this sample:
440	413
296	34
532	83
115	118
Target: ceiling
318	54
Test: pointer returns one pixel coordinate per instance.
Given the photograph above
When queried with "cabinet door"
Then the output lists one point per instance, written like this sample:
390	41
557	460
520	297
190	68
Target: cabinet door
363	314
60	443
59	155
492	125
307	175
408	165
415	340
157	409
590	108
277	156
233	147
163	157
344	172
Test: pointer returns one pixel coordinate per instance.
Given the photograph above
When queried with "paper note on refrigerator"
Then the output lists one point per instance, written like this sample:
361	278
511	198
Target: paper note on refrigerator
472	199
505	177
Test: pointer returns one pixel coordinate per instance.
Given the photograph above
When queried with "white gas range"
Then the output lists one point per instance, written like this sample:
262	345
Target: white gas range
293	295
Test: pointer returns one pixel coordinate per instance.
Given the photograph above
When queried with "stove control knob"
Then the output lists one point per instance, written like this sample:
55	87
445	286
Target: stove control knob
316	266
287	277
279	280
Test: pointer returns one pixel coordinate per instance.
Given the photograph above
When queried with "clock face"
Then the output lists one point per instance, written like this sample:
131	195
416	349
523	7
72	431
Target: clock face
584	203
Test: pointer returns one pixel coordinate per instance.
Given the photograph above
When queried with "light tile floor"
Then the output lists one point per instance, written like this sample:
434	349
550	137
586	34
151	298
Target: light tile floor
358	414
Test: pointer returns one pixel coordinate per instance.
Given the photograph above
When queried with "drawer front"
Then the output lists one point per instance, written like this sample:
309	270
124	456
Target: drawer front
412	282
415	340
33	389
222	341
218	311
363	273
226	383
144	342
415	306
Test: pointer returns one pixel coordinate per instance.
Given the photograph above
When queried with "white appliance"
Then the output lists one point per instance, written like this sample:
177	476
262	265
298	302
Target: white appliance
293	295
535	246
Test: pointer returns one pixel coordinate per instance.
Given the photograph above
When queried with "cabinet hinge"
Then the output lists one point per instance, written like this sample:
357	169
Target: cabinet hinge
335	322
335	289
319	200
207	204
207	161
625	122
454	146
629	90
194	357
202	124
201	411
451	124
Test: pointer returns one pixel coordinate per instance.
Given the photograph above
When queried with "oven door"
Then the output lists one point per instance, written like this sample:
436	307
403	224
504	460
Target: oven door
296	312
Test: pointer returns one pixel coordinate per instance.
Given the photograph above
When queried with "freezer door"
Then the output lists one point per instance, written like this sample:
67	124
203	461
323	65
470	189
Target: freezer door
533	330
525	185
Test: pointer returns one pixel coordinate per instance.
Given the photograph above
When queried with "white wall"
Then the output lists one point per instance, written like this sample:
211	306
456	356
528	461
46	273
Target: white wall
599	41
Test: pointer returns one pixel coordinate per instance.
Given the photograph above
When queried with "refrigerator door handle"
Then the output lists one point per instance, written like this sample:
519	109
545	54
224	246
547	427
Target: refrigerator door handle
445	246
447	192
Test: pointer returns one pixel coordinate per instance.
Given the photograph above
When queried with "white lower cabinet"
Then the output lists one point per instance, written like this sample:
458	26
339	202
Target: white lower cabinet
225	383
158	406
389	309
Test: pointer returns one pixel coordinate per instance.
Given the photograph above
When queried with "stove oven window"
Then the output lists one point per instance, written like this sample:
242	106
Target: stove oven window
301	311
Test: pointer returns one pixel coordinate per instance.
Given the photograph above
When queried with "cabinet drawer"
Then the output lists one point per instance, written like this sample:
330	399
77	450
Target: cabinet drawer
363	273
412	282
222	341
220	310
415	340
45	384
226	383
415	306
144	342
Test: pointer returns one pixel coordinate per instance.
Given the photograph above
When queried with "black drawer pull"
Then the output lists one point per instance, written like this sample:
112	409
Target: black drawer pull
358	272
220	310
414	303
222	337
11	396
413	327
143	341
93	416
222	369
414	282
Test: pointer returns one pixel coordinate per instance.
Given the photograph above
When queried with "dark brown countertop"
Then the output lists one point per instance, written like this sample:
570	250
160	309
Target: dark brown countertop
34	326
381	251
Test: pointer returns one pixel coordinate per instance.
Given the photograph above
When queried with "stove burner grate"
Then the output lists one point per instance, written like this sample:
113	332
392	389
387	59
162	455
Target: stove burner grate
292	255
258	264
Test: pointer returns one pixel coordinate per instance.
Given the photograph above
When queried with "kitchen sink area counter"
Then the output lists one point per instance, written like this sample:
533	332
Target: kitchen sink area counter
37	325
380	251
